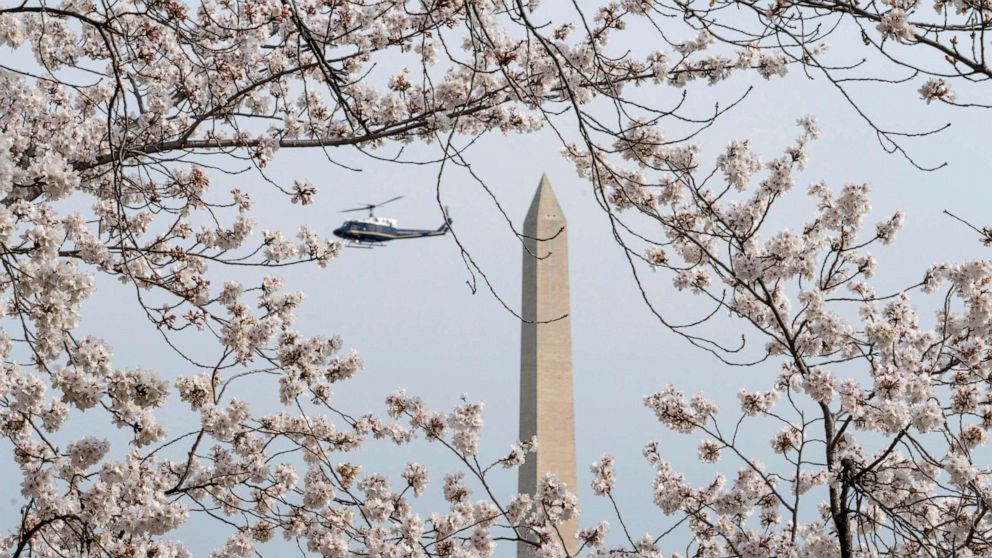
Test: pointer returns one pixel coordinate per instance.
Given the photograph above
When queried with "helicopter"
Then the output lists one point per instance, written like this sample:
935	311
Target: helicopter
374	231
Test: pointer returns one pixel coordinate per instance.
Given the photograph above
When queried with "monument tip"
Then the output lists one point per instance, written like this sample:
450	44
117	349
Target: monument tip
545	203
545	184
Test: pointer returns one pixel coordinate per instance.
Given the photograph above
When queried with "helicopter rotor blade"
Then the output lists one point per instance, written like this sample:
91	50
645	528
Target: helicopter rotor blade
371	206
387	201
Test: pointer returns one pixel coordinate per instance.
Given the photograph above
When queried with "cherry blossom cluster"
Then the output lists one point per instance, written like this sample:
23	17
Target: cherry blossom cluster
882	412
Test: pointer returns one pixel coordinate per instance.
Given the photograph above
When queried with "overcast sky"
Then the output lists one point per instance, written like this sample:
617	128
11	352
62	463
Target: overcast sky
409	311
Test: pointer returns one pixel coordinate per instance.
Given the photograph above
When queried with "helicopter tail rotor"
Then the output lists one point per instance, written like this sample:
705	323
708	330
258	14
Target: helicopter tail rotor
447	222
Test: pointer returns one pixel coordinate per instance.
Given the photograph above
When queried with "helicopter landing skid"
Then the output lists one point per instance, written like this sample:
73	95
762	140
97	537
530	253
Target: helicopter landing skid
363	245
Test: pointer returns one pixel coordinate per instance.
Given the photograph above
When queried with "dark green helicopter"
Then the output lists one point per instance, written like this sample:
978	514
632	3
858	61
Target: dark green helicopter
374	231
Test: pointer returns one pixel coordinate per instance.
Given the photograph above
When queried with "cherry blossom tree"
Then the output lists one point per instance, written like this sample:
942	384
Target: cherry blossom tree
879	415
118	117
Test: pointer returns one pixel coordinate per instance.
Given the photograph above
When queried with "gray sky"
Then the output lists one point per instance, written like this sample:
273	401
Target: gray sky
406	307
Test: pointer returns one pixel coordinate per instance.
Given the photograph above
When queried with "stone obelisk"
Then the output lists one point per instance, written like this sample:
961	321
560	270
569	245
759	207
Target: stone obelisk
546	408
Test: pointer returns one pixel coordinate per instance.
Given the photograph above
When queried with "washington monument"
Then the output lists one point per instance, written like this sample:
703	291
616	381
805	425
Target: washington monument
546	408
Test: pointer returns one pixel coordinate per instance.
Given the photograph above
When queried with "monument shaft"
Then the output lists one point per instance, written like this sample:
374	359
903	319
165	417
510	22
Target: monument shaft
546	408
